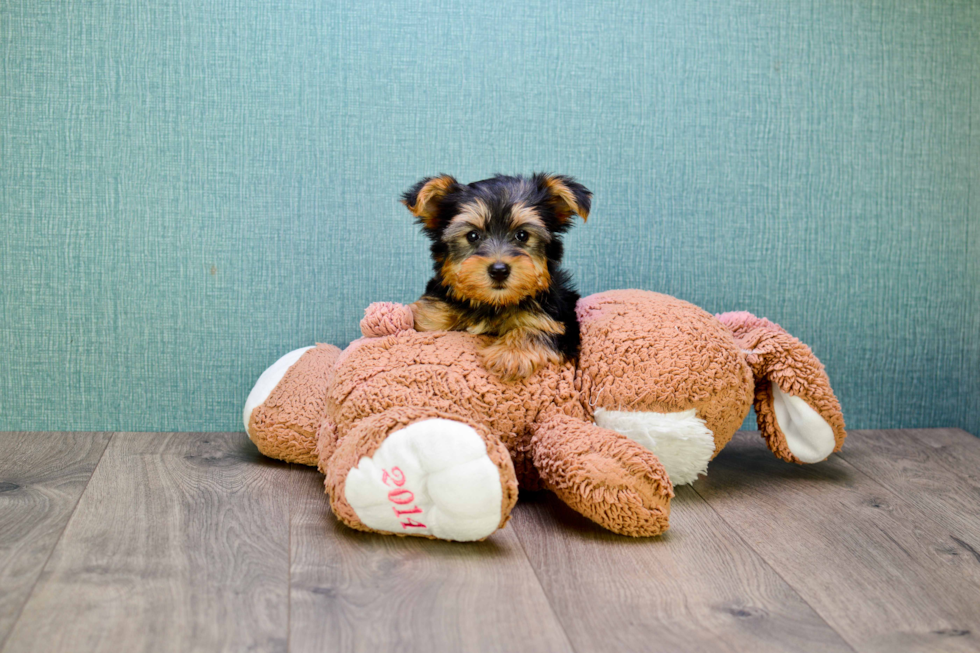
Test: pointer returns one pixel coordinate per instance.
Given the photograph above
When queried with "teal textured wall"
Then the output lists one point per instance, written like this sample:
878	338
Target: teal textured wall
191	189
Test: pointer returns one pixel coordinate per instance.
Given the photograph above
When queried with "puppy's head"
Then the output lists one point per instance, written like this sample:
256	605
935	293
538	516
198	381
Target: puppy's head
495	241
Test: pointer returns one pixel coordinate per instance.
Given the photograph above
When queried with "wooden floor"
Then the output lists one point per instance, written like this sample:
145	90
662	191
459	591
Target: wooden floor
194	542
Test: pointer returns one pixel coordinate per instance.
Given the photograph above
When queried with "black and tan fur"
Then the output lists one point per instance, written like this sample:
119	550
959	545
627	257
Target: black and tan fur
496	245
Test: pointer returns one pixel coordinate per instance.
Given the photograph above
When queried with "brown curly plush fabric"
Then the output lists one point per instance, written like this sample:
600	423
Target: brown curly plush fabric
777	357
603	475
641	351
645	351
441	371
384	318
286	423
364	438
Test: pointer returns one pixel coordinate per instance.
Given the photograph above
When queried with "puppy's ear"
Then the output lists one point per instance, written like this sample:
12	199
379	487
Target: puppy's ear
423	198
566	196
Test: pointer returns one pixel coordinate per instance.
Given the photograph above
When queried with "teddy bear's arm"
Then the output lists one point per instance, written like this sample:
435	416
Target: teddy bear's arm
603	475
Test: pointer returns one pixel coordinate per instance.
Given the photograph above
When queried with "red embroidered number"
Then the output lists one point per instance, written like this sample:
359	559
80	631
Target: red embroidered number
401	497
396	476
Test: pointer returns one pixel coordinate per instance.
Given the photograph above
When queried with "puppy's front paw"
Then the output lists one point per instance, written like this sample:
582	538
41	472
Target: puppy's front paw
513	362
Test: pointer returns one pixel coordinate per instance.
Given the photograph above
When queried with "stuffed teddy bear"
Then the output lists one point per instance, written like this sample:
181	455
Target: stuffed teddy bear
416	437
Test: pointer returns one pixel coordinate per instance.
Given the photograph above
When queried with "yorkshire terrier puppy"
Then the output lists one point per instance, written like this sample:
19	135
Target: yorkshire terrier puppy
497	246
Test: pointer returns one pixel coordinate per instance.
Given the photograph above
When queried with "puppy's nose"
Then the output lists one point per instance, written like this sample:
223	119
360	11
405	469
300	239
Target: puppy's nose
499	271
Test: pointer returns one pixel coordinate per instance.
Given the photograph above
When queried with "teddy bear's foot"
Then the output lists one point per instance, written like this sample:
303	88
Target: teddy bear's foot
807	435
268	381
286	406
433	477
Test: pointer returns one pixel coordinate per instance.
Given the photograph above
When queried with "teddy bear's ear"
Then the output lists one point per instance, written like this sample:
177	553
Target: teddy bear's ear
566	196
423	198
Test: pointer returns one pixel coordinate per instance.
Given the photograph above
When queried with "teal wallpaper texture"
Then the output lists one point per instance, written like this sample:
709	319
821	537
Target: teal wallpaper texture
191	189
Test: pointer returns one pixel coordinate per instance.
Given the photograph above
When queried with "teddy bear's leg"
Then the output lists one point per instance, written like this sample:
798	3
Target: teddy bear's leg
286	407
603	475
798	414
413	471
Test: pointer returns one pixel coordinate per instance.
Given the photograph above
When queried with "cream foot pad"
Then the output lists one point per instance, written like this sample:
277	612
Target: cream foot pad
809	437
682	441
432	477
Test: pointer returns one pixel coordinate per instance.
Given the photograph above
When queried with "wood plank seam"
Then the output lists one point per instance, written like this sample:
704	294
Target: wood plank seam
176	545
763	560
709	593
916	435
911	506
885	491
544	590
27	599
916	438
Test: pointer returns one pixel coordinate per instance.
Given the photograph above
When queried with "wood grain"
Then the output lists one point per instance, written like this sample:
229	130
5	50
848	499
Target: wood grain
185	542
936	470
954	449
179	543
354	591
875	566
42	475
699	587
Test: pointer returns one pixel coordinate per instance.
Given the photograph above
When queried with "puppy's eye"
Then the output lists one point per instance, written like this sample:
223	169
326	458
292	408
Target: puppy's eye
472	236
522	236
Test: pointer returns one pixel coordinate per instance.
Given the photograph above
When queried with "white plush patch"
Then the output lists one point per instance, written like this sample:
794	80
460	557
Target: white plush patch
432	477
682	441
268	381
808	436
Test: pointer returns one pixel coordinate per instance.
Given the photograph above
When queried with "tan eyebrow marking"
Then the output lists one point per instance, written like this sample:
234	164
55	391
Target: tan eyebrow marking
476	214
522	215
